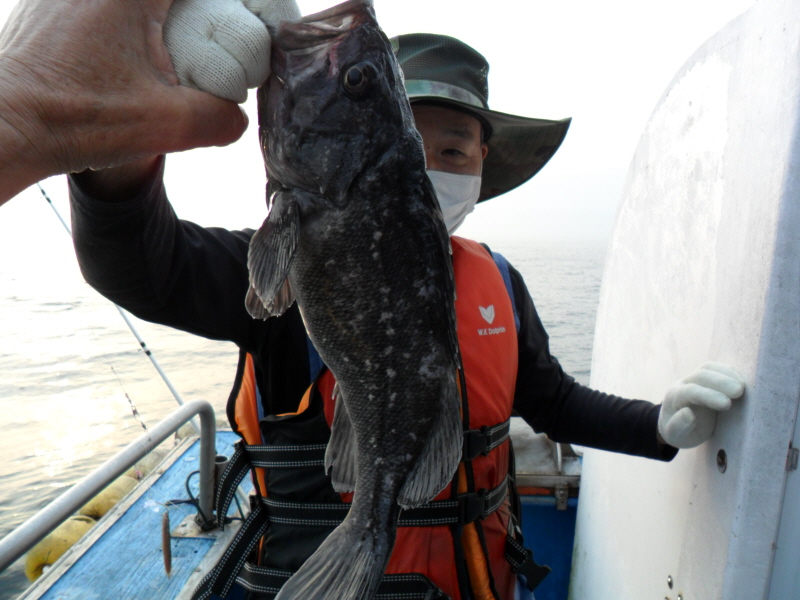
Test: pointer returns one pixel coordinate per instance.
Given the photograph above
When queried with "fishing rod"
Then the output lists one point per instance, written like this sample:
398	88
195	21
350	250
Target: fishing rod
240	494
128	322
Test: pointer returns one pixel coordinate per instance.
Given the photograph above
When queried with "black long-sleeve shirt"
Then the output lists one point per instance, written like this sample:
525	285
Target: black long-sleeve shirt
138	254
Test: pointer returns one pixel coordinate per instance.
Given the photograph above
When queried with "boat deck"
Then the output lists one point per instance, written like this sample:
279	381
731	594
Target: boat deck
122	557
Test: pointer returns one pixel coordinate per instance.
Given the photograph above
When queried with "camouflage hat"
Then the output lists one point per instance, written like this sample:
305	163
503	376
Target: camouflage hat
443	70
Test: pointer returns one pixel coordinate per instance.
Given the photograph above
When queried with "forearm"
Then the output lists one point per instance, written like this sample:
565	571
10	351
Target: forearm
121	184
137	253
115	233
553	402
591	418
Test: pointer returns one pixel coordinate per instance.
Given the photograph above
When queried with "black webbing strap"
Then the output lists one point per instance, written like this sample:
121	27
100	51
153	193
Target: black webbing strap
238	467
287	457
220	579
522	563
479	442
466	508
406	586
246	457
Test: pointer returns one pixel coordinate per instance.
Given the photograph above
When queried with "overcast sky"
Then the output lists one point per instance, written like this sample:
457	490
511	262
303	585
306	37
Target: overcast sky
605	64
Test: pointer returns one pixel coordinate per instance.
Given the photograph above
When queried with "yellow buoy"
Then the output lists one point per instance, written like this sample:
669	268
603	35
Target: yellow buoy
58	541
186	430
147	464
108	498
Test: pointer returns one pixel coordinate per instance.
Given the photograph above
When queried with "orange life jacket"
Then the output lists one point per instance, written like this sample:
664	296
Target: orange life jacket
488	341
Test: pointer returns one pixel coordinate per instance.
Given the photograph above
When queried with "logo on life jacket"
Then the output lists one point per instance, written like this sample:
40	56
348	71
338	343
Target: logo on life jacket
487	312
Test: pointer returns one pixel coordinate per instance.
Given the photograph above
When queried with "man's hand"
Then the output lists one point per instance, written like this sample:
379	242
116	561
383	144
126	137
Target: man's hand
91	84
689	411
223	46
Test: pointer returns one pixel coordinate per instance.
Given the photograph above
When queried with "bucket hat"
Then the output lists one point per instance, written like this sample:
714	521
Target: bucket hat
440	69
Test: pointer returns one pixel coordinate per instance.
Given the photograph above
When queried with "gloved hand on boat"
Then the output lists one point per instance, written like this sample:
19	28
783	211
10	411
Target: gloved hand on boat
689	411
223	46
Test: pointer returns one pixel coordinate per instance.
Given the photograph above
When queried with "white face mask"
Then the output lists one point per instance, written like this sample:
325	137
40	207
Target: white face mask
457	196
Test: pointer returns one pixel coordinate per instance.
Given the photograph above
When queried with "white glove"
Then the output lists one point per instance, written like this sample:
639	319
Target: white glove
689	411
222	46
273	12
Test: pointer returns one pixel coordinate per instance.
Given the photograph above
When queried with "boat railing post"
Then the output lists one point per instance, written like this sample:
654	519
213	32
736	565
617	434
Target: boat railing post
208	468
27	535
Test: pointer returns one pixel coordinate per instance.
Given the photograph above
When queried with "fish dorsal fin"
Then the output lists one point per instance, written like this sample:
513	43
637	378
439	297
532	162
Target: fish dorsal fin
440	457
272	251
341	455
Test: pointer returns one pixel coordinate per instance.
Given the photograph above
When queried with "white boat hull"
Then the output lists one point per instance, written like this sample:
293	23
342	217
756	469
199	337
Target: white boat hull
704	264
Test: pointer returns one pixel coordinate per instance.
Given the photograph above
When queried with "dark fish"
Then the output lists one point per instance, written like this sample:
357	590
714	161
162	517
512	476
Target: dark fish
355	235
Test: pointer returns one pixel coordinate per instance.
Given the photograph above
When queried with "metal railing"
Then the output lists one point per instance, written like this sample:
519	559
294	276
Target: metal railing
27	535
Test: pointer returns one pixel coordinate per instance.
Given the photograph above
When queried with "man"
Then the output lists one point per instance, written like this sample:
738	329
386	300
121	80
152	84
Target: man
134	250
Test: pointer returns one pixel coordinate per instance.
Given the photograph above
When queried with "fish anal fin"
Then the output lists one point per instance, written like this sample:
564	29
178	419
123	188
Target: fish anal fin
439	459
272	250
341	455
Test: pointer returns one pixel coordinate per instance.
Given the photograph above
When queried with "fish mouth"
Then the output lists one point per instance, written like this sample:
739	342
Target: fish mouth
325	27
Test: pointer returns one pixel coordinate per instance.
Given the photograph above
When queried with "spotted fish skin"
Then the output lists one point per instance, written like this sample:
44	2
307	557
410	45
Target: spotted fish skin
355	236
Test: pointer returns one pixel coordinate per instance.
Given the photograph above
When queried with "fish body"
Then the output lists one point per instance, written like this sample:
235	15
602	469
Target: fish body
355	235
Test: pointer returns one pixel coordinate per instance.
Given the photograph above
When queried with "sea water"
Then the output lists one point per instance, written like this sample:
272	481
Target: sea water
72	372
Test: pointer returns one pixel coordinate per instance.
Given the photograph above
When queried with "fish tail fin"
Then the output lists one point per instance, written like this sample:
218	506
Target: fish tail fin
440	457
348	565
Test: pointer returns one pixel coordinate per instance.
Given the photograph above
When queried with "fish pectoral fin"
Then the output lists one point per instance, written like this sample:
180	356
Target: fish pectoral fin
254	305
342	453
282	301
440	457
272	250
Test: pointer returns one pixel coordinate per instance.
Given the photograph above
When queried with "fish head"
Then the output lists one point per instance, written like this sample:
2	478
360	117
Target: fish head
335	101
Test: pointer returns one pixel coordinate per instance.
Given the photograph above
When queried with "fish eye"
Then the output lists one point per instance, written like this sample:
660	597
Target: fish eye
356	79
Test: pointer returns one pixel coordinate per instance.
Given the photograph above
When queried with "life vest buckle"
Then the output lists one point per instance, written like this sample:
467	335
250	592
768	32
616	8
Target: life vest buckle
471	506
476	443
522	563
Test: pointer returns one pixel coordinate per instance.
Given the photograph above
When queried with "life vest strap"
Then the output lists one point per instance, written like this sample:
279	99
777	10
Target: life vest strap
287	456
522	563
221	578
465	508
246	457
238	467
402	586
479	442
233	567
